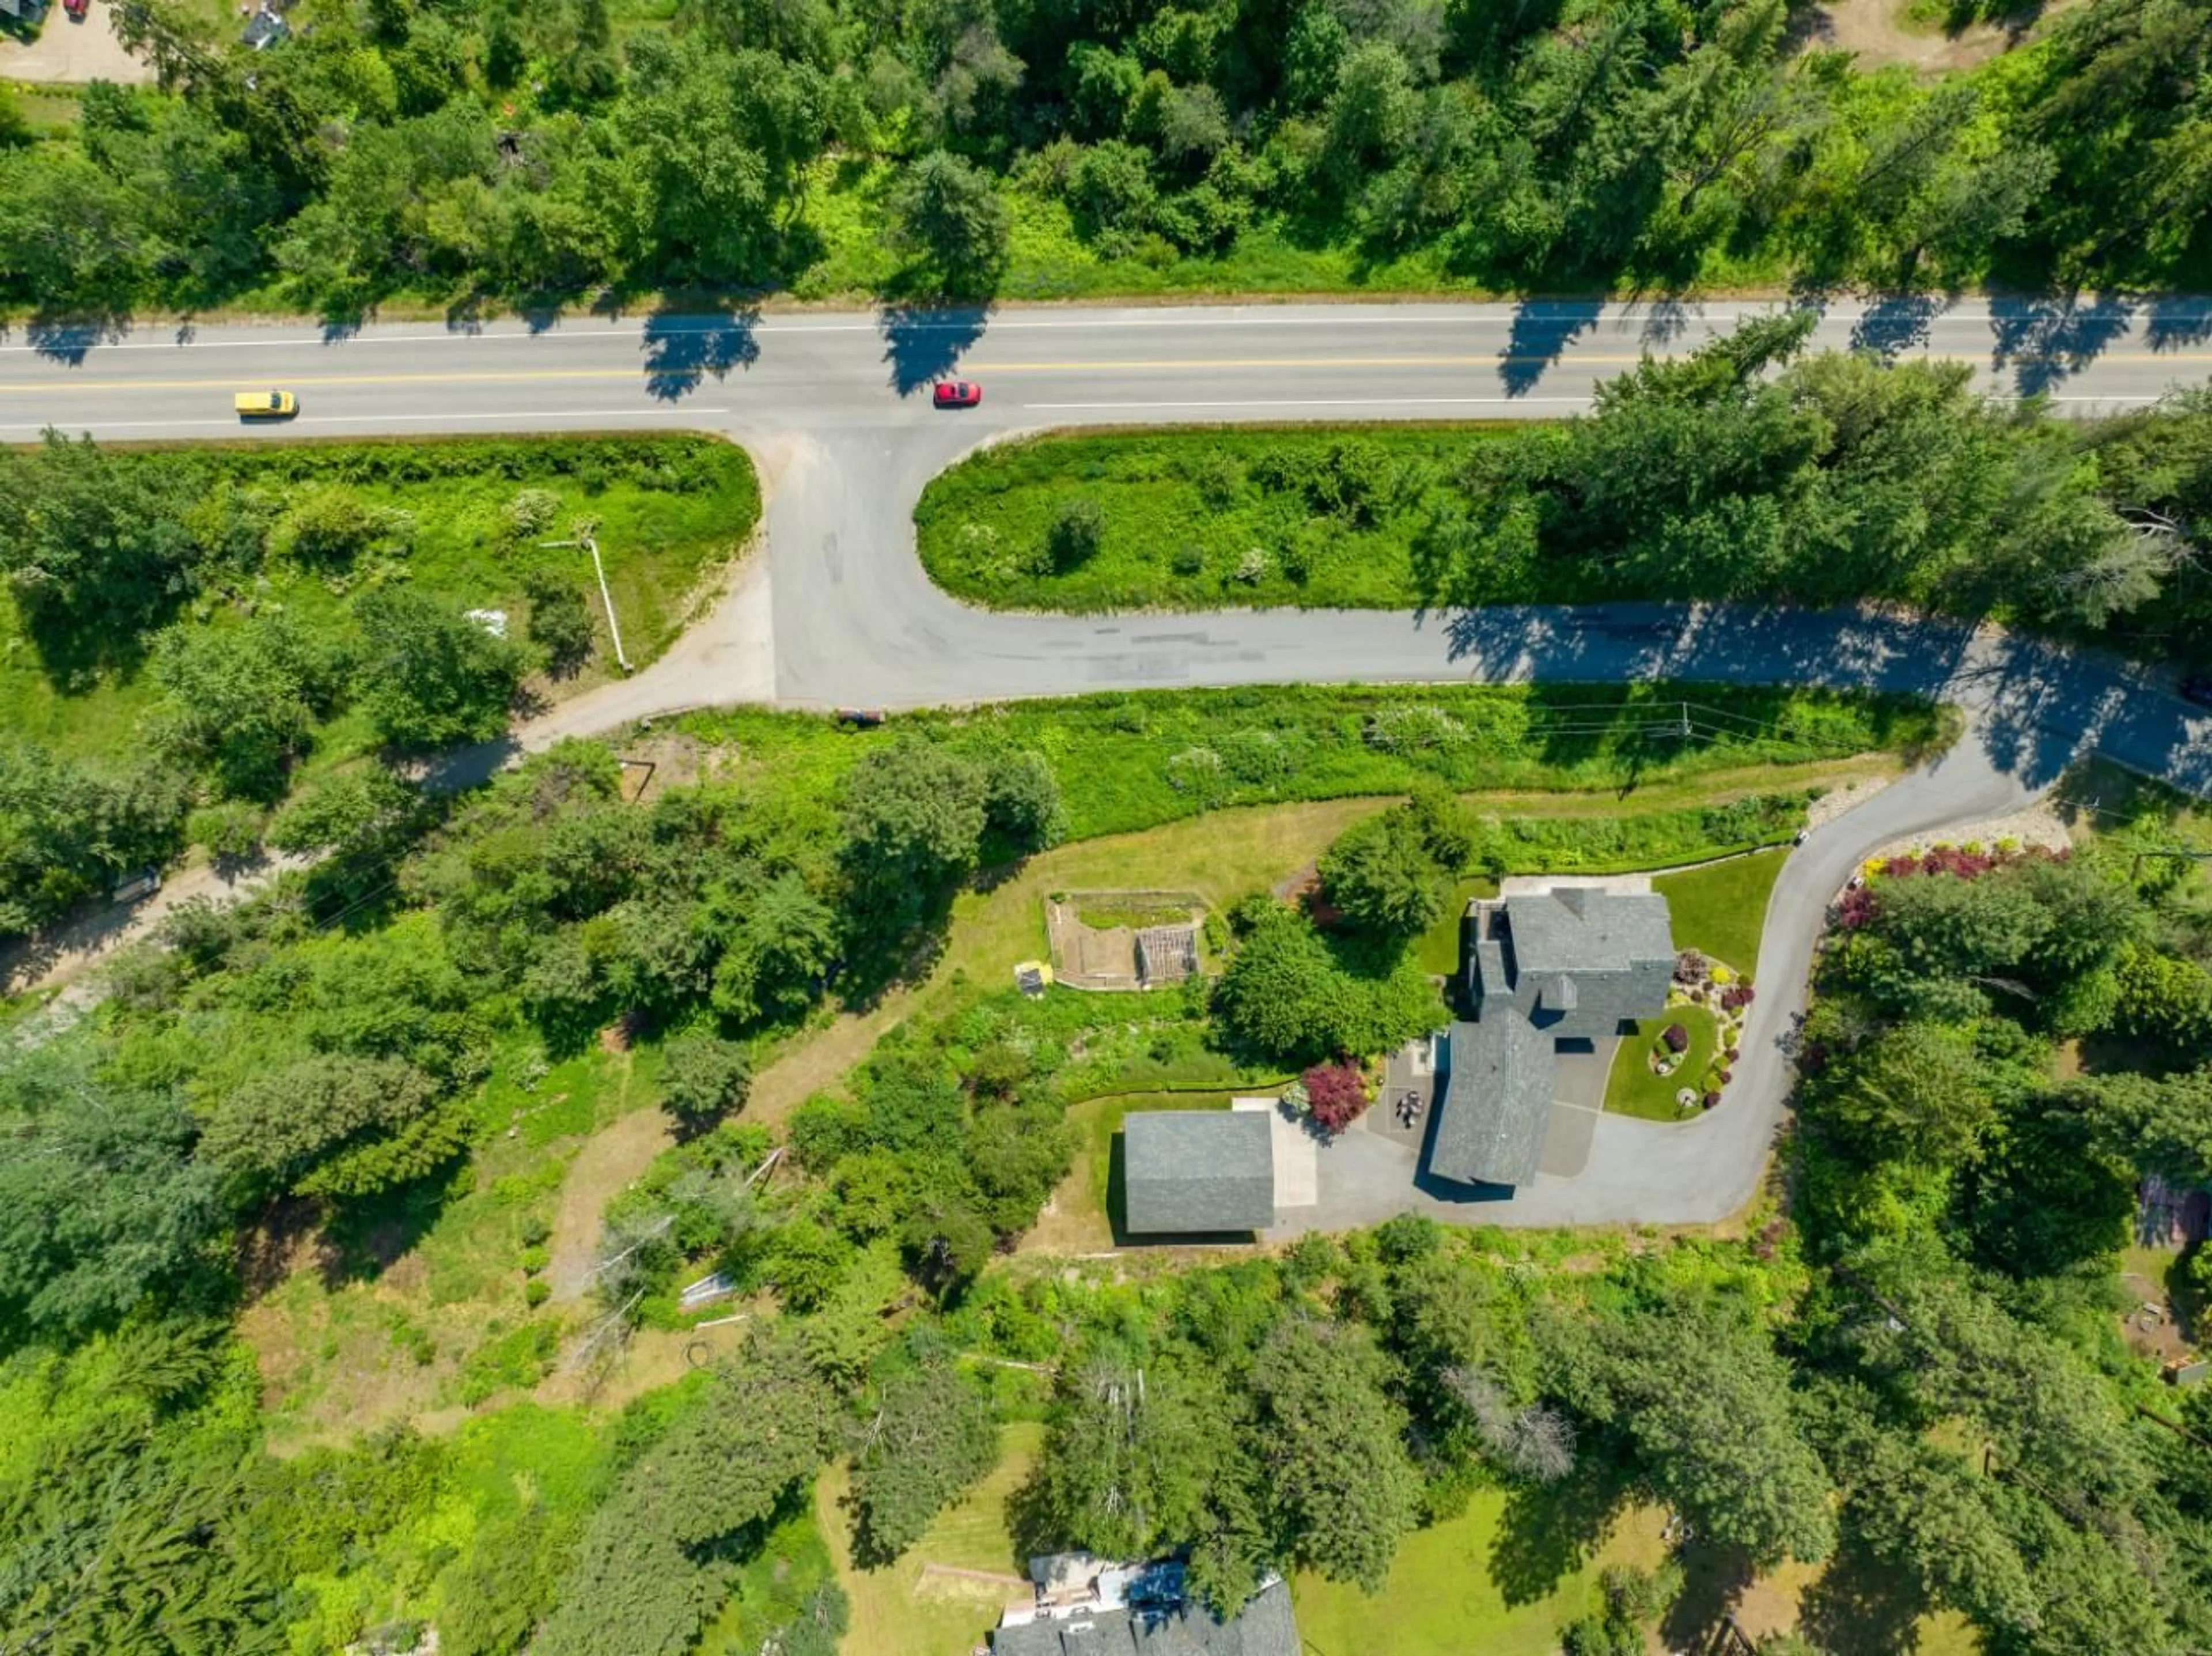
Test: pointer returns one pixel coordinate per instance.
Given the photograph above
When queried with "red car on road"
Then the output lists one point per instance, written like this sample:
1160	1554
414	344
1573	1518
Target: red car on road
76	9
957	393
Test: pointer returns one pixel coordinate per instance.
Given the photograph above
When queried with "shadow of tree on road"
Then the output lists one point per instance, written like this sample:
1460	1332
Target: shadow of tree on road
683	349
923	344
1542	330
2045	341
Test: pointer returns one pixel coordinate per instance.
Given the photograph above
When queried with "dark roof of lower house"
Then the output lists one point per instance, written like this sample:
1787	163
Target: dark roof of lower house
1265	1627
1498	1101
1198	1170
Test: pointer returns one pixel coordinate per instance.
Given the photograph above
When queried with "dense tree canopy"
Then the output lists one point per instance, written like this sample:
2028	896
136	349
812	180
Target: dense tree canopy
447	150
1291	993
432	675
102	1202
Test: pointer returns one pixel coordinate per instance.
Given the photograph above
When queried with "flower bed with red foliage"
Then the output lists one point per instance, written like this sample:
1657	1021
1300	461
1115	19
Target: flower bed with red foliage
1859	906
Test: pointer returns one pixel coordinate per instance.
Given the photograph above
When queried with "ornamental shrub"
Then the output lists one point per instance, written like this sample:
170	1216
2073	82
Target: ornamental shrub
1334	1095
1676	1037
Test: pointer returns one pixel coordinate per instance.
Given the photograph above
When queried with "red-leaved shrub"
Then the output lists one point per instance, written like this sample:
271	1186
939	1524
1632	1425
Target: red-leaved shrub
1334	1095
1676	1037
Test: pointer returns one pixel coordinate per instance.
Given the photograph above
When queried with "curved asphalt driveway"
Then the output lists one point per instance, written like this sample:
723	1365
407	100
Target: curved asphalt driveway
834	408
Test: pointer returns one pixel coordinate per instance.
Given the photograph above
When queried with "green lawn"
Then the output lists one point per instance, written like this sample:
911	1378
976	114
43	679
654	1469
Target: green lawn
1438	948
1721	908
898	1608
1192	520
670	511
1474	1586
1633	1090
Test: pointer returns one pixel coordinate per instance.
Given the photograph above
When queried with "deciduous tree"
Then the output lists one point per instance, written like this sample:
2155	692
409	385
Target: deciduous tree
430	676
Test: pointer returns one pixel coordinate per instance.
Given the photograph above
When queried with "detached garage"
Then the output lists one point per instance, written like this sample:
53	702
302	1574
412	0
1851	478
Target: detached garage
1198	1171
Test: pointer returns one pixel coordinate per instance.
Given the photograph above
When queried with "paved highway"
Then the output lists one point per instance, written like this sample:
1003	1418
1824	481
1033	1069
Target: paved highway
862	371
835	409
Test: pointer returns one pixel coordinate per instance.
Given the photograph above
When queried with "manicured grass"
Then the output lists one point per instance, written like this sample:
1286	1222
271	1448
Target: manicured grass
670	511
1721	909
1194	519
896	1609
1633	1090
1477	1583
1439	947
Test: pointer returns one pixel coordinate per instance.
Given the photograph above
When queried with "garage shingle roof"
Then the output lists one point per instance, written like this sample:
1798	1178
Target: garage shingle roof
1198	1170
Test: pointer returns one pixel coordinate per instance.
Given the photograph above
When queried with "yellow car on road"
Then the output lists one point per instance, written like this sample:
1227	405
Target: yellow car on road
266	404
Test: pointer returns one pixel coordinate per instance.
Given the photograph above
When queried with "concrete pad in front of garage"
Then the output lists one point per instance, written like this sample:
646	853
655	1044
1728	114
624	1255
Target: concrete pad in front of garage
1580	1070
1567	1137
1298	1154
1537	885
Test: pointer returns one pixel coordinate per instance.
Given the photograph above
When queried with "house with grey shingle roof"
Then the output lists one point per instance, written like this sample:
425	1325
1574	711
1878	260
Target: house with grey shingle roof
1496	1102
1197	1171
1567	966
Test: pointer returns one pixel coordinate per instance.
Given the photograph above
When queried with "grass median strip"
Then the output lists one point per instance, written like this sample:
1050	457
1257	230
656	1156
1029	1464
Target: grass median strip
1191	519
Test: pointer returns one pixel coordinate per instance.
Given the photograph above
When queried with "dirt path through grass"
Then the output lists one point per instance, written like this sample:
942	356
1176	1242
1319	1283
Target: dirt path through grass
610	1160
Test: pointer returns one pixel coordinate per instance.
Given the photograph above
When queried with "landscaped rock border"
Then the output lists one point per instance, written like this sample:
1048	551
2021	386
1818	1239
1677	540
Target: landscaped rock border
1724	995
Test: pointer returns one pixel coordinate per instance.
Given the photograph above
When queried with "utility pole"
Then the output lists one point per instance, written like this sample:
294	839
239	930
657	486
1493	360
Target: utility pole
584	539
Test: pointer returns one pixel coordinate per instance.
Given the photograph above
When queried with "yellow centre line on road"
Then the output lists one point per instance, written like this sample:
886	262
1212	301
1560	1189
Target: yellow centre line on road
1568	359
234	383
644	371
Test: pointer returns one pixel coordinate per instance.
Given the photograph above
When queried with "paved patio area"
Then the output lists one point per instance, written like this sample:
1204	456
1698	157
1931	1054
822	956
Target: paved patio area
1412	1068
